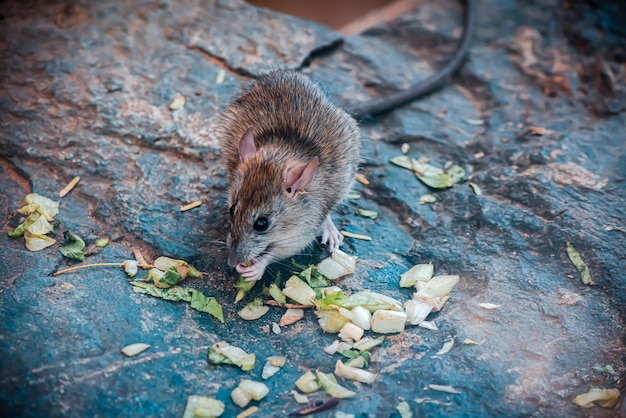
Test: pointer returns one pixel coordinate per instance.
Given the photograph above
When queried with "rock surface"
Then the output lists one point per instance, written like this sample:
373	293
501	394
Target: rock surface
536	117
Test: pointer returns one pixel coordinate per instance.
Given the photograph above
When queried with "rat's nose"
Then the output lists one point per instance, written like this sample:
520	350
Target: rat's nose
232	260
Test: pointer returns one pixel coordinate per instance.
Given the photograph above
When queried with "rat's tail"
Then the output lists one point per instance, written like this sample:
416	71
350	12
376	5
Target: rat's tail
428	85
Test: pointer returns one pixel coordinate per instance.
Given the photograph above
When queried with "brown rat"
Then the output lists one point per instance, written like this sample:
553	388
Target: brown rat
291	157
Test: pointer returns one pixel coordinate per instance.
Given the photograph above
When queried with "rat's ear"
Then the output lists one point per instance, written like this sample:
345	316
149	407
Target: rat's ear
298	177
247	149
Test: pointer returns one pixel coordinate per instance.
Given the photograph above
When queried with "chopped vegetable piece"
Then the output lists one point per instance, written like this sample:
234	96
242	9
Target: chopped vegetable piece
351	332
195	298
430	175
308	383
224	353
444	388
386	322
69	187
337	346
366	298
353	373
404	410
18	231
66	286
102	242
272	366
331	321
201	407
168	279
358	362
436	291
73	247
361	317
489	306
257	390
244	287
191	205
416	311
299	291
417	273
253	310
314	277
291	316
240	397
248	412
356	236
339	264
367	343
277	294
300	398
330	385
37	224
367	213
37	242
177	103
580	265
130	267
428	198
166	263
447	346
606	398
47	207
475	188
134	349
221	74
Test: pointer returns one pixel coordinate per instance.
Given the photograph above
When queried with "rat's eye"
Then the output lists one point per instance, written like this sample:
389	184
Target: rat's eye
261	224
232	210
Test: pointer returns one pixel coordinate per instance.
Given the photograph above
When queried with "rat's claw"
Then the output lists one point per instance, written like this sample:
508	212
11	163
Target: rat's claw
255	271
330	234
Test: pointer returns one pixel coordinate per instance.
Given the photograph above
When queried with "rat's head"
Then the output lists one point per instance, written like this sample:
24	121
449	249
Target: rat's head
270	212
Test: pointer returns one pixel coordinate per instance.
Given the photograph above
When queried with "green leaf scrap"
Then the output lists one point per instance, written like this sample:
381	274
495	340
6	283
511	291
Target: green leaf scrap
73	247
580	265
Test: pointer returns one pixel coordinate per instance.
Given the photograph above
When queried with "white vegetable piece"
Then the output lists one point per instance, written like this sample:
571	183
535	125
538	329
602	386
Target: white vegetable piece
361	317
201	406
134	349
386	322
351	332
240	397
416	311
308	383
418	273
437	291
353	373
299	397
131	267
337	346
339	264
298	290
257	390
272	366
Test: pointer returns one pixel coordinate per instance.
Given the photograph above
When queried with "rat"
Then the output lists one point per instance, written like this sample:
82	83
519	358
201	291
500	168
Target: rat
291	156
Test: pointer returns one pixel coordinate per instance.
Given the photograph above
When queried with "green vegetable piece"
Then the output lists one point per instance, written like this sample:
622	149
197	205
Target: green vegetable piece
210	305
197	299
169	279
580	265
277	294
203	407
330	385
224	353
245	285
367	213
73	247
368	299
102	242
47	207
18	231
351	354
314	278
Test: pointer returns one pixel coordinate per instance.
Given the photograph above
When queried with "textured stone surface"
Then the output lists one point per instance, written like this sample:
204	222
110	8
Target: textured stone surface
85	91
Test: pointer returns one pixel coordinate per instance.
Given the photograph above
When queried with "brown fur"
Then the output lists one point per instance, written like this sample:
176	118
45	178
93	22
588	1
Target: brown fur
293	122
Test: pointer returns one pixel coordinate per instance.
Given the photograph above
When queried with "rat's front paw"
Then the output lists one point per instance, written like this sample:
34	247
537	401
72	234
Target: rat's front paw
330	234
255	271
